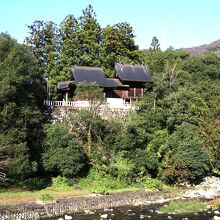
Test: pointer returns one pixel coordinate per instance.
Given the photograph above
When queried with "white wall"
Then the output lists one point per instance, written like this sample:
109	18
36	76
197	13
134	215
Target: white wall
115	102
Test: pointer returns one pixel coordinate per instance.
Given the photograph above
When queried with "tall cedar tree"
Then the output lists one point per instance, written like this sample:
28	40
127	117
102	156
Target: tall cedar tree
89	35
69	47
44	44
118	46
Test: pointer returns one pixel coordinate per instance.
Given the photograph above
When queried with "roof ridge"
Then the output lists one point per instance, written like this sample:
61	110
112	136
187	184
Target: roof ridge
69	81
88	67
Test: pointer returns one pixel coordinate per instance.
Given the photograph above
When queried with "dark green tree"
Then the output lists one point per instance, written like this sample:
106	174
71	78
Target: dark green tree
187	159
118	45
20	117
89	38
155	45
63	153
90	92
43	40
69	47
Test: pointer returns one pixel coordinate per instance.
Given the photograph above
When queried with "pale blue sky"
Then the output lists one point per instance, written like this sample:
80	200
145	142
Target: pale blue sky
177	23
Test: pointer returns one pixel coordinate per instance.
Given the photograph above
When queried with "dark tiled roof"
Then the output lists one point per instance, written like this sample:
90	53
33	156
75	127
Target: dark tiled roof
135	73
115	83
93	74
64	85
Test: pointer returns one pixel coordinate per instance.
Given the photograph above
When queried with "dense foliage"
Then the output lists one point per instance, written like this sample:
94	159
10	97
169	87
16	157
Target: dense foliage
20	117
174	136
62	152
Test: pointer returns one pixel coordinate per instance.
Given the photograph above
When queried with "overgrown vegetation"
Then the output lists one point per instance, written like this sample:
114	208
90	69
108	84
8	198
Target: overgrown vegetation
173	137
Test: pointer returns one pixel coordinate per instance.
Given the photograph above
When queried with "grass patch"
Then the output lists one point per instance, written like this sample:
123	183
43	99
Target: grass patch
184	206
19	193
14	196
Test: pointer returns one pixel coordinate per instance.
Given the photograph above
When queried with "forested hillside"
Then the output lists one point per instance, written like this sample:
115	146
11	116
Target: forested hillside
174	136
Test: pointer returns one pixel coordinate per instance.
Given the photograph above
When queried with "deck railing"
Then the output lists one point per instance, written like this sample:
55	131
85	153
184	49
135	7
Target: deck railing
85	104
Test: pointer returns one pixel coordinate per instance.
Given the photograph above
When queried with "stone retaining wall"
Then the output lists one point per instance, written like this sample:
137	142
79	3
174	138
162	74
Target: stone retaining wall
60	114
33	211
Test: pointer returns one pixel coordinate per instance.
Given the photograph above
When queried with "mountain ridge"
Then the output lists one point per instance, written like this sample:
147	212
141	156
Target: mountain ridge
214	46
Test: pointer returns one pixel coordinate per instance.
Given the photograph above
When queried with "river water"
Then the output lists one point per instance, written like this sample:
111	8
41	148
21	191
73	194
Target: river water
137	212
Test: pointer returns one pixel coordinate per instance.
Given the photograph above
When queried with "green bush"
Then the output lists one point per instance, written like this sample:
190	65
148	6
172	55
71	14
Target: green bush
153	184
96	183
122	169
60	182
145	162
45	197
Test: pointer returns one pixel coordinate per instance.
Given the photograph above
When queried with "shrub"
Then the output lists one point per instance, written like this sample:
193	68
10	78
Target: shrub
122	169
145	163
96	183
60	182
46	197
153	184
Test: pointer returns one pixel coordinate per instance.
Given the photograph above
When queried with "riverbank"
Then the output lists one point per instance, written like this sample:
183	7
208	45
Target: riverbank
92	202
82	203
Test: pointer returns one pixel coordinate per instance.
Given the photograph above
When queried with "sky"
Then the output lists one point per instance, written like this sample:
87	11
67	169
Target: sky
176	23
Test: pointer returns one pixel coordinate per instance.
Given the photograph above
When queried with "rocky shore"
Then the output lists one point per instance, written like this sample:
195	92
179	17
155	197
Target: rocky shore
209	189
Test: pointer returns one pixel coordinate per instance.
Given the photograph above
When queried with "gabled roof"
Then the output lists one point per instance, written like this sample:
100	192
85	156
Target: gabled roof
135	73
93	74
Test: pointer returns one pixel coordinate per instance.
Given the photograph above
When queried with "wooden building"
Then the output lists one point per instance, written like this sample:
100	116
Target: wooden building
128	85
135	76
